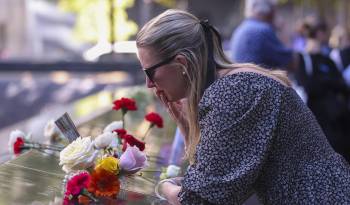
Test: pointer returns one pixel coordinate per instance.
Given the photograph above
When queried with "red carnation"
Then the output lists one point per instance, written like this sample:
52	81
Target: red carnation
154	119
132	141
18	145
125	104
75	186
77	183
121	132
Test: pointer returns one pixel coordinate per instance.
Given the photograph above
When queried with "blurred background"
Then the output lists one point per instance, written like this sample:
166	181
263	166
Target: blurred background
55	52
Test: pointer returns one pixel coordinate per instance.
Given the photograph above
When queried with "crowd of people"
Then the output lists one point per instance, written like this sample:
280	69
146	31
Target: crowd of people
317	62
241	125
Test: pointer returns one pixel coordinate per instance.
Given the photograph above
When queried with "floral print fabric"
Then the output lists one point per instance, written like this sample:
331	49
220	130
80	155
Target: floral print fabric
258	136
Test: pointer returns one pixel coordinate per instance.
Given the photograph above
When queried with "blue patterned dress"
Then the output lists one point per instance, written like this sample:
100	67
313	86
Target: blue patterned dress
258	136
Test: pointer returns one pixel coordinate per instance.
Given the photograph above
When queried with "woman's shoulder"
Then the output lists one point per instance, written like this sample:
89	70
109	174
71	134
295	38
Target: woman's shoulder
242	81
241	89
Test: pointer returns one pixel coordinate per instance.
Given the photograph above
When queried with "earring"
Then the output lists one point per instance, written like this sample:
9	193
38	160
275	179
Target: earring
183	72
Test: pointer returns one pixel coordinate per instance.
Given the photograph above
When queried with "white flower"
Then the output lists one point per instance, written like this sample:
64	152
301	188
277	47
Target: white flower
80	154
173	171
13	138
113	126
132	160
104	140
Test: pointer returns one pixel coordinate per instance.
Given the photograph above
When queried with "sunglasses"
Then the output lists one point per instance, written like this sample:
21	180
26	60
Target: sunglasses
151	70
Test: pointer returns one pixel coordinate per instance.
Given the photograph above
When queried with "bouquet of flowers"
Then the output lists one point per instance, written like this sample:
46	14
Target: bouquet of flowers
94	166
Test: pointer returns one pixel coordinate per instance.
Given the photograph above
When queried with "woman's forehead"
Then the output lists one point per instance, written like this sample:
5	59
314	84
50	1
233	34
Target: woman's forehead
147	56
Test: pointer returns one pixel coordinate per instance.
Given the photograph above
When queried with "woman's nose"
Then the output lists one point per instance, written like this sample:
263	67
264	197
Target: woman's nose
149	83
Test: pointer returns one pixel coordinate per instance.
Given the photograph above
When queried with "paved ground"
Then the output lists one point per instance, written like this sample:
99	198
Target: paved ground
25	94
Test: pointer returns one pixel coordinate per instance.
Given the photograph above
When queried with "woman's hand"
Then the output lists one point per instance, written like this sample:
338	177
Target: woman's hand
171	192
178	111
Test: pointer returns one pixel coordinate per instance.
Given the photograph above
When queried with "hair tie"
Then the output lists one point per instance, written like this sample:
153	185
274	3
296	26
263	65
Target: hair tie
205	23
211	65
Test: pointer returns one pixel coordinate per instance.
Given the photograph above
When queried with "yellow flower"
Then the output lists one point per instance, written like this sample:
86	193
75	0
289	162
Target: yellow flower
110	164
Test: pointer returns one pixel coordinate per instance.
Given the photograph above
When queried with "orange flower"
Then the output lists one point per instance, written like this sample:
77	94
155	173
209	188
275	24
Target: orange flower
104	183
83	200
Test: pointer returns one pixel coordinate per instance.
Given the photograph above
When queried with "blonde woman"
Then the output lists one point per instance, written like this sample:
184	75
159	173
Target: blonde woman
245	128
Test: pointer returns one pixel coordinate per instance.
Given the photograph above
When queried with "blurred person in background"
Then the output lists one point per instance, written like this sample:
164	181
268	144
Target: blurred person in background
317	34
255	40
299	37
340	42
327	92
320	38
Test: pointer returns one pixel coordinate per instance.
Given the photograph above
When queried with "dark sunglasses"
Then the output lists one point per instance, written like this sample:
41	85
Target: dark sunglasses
151	70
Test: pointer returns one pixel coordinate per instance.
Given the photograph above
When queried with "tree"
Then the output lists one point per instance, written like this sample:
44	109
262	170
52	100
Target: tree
94	19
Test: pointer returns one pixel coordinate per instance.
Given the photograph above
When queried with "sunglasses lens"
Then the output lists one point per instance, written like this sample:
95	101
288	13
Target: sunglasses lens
151	70
149	74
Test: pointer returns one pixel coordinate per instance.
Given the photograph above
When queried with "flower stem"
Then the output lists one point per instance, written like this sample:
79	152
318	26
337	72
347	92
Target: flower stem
45	146
144	137
88	194
123	117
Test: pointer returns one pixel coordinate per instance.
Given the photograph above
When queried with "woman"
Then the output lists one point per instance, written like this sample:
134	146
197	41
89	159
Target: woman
245	129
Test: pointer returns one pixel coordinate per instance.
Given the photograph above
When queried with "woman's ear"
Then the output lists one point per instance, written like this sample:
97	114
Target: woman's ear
181	59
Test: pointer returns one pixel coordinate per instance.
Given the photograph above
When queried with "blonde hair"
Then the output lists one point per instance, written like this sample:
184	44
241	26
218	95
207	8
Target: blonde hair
178	32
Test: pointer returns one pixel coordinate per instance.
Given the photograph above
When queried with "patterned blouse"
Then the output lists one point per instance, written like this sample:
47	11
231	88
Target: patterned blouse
258	136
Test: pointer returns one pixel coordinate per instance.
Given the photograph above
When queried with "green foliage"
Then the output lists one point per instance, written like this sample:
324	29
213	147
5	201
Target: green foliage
167	3
93	19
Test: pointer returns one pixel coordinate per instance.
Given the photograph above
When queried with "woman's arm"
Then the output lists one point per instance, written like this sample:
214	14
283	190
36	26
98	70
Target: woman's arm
238	118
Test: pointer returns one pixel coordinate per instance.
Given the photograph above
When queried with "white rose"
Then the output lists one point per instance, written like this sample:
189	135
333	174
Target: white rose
80	154
173	171
113	126
104	140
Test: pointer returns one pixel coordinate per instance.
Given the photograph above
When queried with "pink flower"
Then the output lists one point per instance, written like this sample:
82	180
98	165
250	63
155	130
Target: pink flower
67	201
77	183
132	160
